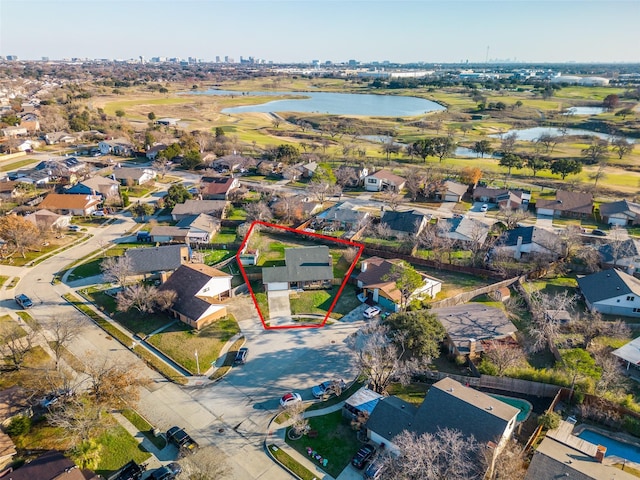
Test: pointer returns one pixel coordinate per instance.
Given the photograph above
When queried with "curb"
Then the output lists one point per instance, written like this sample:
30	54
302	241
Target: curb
223	353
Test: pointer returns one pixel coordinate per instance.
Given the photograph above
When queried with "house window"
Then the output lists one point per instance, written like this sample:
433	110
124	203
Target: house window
636	310
372	180
630	298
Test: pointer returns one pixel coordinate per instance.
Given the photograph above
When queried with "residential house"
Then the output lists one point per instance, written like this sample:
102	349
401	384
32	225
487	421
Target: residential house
155	150
629	353
562	454
566	204
30	121
32	177
463	229
297	208
448	404
622	213
103	186
48	220
133	176
612	292
73	204
353	176
8	189
28	145
502	197
189	229
624	254
383	180
307	170
55	138
451	191
118	146
230	163
168	121
377	287
7	450
166	258
529	240
13	132
467	324
344	214
305	267
52	465
217	188
215	208
402	224
200	292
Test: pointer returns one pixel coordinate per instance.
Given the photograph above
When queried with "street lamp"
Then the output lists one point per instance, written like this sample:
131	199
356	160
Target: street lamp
197	362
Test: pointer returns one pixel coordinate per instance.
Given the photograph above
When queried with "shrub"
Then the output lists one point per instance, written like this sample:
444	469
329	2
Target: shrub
19	425
487	367
631	425
549	420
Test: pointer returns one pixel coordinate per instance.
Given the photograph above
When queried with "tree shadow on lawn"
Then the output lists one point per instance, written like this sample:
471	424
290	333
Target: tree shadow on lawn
336	441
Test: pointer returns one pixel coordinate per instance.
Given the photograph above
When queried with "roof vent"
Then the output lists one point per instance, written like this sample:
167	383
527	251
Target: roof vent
617	288
450	389
489	408
402	407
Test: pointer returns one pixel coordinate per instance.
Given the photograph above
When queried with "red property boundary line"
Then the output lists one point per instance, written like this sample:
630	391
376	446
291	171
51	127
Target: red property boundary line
359	246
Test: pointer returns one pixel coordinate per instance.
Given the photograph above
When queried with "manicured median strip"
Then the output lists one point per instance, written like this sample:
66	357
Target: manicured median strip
290	464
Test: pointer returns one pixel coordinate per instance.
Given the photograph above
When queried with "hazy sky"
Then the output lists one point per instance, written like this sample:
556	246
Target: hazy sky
303	30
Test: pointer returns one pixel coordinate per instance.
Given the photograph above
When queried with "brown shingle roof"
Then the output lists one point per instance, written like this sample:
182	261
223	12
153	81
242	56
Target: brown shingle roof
59	201
388	176
577	202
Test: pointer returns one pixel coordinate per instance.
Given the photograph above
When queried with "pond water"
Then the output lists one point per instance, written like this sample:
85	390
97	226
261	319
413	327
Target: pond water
335	104
467	152
532	134
524	406
584	111
614	447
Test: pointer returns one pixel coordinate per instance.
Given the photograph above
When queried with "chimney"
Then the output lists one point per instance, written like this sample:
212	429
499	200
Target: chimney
363	266
600	453
518	252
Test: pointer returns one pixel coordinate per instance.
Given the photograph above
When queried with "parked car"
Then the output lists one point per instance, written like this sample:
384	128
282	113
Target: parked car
371	312
131	471
362	456
74	228
98	213
181	439
330	387
241	356
599	233
23	301
162	473
374	470
289	398
484	208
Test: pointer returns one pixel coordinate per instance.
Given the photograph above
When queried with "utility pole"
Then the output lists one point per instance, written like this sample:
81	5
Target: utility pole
197	362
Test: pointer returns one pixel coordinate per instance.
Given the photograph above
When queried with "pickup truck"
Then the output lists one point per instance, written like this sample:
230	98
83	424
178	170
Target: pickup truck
181	439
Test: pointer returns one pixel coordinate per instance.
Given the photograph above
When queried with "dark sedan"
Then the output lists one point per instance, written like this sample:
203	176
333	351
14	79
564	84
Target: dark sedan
362	456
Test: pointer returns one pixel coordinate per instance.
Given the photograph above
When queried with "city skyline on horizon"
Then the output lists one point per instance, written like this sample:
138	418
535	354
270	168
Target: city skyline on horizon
299	31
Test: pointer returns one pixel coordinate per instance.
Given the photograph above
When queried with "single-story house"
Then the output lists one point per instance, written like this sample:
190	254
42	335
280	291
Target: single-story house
30	121
155	150
361	402
28	145
344	213
104	186
47	219
190	229
512	199
621	254
231	163
564	455
622	212
403	224
448	404
32	177
215	208
299	207
54	138
612	292
352	176
12	132
133	176
166	258
463	230
305	267
529	240
118	146
383	180
452	191
52	465
566	204
168	121
469	323
307	170
8	189
200	292
74	204
217	188
376	287
168	234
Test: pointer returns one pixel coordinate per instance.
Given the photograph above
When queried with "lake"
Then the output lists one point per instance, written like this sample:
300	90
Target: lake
532	134
584	111
335	104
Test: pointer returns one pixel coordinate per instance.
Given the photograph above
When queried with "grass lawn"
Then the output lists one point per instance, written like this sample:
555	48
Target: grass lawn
319	301
8	324
118	447
3	279
285	459
413	393
211	257
225	235
29	320
336	441
143	426
236	213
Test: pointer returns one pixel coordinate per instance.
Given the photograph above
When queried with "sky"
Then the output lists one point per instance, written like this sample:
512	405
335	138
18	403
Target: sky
284	31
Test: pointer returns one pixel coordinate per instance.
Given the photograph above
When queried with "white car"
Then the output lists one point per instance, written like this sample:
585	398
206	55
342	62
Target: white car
289	398
484	208
98	213
371	312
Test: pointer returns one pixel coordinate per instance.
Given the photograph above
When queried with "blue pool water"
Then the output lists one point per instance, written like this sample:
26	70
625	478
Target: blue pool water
614	447
522	405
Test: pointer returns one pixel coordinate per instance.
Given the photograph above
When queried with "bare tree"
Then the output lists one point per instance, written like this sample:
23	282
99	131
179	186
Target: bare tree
511	217
621	146
380	359
414	183
299	424
591	325
258	211
393	199
504	356
117	269
145	298
612	377
619	244
446	454
162	166
548	141
207	463
19	234
113	384
15	343
381	230
509	463
81	418
546	310
321	190
61	332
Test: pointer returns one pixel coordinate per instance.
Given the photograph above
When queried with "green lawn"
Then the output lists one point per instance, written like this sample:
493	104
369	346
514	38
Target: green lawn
225	235
3	279
211	257
319	301
118	448
236	213
413	393
285	459
29	320
144	427
336	441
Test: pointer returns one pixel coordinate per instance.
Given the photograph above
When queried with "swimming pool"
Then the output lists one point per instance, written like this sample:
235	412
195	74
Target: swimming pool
614	447
522	405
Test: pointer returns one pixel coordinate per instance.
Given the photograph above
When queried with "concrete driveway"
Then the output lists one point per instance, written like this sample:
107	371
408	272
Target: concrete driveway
279	308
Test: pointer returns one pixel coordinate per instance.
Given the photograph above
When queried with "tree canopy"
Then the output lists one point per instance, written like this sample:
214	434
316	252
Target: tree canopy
421	330
177	193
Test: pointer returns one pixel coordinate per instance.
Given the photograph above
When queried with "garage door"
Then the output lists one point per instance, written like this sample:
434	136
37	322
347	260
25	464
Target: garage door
277	286
617	221
545	211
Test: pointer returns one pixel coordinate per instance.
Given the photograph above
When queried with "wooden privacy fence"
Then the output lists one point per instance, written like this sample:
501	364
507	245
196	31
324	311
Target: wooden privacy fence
505	384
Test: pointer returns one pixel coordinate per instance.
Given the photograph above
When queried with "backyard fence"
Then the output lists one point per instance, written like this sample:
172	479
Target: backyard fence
505	384
464	297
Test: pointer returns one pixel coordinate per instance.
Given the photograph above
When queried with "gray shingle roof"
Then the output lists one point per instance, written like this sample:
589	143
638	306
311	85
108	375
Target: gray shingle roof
391	416
576	202
408	222
608	284
196	207
156	259
627	248
531	234
302	264
621	206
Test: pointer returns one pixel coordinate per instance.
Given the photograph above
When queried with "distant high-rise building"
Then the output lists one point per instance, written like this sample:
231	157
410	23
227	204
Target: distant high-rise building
352	63
45	59
315	62
12	58
226	59
217	58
